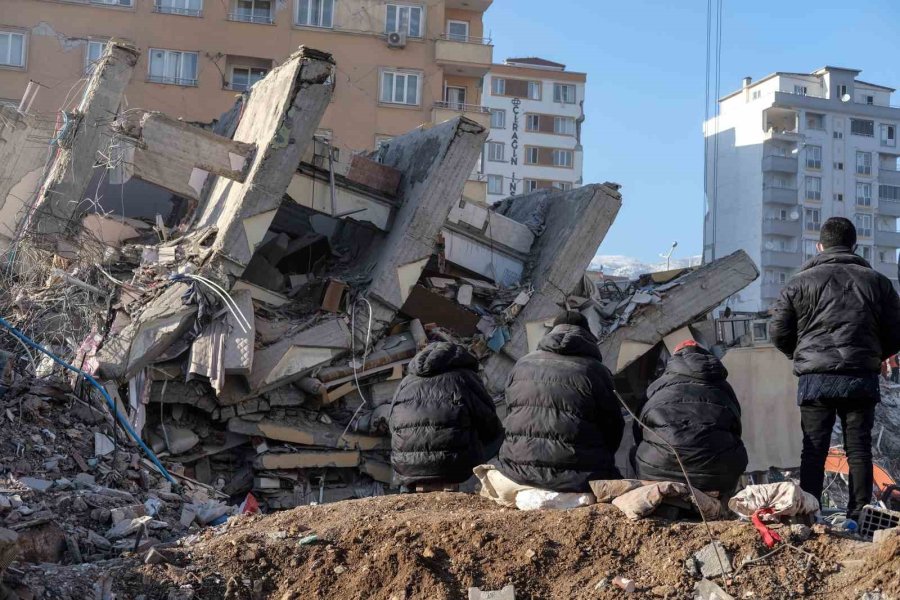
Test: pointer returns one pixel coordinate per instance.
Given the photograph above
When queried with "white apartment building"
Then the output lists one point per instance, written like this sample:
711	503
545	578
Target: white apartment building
786	153
537	108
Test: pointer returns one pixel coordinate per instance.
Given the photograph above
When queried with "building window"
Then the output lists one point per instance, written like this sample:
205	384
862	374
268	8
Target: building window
863	194
173	67
800	90
891	193
382	140
815	121
564	93
112	2
814	188
458	31
812	220
863	163
498	118
809	249
12	49
534	90
563	158
402	18
864	225
838	166
315	13
869	99
243	78
189	8
562	185
495	184
532	122
532	155
755	95
838	197
862	127
838	135
400	88
864	251
496	151
531	185
252	11
498	86
888	135
564	125
842	91
93	54
814	157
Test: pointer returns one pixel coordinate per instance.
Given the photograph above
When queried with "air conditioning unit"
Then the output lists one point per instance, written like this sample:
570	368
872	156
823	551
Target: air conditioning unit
396	39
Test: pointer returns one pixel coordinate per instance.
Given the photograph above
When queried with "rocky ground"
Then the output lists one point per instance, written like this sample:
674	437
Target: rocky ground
436	546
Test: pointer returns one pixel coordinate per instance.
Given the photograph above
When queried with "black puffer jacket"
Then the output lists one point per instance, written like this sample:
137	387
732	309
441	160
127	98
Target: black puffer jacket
837	315
693	408
441	417
564	423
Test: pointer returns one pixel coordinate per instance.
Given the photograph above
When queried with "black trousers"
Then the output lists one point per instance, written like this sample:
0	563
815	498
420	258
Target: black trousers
817	419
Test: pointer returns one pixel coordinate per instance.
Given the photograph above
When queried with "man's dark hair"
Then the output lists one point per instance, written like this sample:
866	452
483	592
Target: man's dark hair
838	231
570	317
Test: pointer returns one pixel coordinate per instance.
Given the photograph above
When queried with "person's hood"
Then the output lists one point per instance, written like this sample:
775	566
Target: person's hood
697	363
441	357
836	255
570	340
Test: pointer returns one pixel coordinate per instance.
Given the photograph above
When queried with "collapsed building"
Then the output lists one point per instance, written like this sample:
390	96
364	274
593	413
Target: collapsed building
254	335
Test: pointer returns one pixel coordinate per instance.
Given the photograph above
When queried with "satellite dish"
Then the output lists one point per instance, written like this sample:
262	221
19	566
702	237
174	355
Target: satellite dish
845	98
794	215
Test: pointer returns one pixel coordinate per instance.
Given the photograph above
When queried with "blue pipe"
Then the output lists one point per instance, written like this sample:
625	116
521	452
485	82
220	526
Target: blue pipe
112	405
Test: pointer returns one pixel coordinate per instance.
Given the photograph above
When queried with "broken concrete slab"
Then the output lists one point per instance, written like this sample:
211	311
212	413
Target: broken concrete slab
306	459
55	213
298	430
163	321
713	560
708	590
437	162
239	347
699	291
280	118
507	593
429	307
570	226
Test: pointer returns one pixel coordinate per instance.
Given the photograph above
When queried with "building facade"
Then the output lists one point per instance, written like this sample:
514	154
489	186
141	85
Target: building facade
399	64
537	108
786	153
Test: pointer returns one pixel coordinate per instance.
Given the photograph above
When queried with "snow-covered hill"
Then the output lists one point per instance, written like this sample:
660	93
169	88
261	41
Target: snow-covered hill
626	266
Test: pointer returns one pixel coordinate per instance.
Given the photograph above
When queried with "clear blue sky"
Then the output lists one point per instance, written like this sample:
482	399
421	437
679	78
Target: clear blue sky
646	68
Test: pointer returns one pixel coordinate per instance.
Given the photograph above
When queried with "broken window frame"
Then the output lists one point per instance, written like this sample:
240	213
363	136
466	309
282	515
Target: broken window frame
6	49
170	56
315	13
184	8
398	18
405	88
253	75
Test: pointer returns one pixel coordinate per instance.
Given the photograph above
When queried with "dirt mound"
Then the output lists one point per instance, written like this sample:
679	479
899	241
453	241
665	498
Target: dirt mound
436	546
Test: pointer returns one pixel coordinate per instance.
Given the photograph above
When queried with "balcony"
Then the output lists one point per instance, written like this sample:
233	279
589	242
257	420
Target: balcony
245	17
172	10
770	291
466	56
475	5
888	239
182	81
782	227
782	164
444	111
888	208
780	195
888	269
888	176
782	259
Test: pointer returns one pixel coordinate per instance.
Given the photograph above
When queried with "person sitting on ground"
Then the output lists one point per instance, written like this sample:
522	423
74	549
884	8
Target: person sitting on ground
693	408
441	419
564	423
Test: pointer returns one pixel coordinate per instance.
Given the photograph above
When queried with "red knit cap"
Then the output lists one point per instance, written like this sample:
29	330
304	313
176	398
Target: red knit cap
685	344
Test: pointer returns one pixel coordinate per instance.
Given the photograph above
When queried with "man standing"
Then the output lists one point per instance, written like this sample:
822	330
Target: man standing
838	320
564	423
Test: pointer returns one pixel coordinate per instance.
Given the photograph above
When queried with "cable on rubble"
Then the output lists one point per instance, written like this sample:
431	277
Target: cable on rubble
109	401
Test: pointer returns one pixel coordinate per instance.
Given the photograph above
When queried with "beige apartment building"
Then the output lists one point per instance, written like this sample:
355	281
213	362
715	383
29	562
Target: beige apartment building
399	64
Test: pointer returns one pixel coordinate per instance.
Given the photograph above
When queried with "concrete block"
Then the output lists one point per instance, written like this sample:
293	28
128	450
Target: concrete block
298	430
163	321
507	593
709	564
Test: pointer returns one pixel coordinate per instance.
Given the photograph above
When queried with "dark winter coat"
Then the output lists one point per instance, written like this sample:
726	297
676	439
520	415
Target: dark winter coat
564	423
837	315
693	408
441	417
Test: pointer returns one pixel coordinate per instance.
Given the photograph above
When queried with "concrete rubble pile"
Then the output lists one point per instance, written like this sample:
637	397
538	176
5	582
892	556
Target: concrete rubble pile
255	336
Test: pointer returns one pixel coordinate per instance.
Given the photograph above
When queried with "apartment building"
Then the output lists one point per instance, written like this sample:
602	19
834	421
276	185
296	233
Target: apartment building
786	153
537	108
399	64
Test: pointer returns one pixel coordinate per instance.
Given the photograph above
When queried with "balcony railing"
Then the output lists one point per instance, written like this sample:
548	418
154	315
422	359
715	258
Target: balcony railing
172	80
784	164
251	18
888	208
461	107
172	10
466	39
890	239
780	195
782	227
